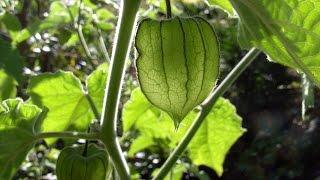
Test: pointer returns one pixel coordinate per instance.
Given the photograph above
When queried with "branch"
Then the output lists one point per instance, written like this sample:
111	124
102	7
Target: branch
80	33
205	110
102	45
74	135
123	39
83	41
78	27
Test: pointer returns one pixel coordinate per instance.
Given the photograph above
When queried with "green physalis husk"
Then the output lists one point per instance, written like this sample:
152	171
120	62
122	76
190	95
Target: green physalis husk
72	164
177	63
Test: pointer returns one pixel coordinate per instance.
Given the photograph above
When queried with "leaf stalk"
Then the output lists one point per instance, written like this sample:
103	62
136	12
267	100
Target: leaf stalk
67	134
168	5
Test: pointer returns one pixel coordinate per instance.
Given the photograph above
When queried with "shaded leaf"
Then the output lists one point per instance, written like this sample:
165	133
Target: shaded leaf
58	15
7	86
10	60
11	23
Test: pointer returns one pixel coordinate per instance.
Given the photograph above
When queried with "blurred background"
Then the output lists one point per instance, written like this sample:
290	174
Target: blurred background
279	144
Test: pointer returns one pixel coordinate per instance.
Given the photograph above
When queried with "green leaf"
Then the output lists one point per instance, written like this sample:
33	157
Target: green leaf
17	134
105	26
58	15
63	94
11	23
216	135
7	86
139	144
219	131
138	110
90	4
25	33
72	41
105	15
287	30
96	84
10	60
177	64
224	4
175	173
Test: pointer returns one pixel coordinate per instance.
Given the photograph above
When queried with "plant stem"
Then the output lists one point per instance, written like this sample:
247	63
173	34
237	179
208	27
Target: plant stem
74	135
168	4
93	106
80	33
83	42
205	110
78	26
307	96
102	46
123	38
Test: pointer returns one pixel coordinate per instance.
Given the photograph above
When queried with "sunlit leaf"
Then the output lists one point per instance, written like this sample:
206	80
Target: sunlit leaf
139	144
17	134
224	4
216	135
287	30
96	84
175	173
63	95
219	131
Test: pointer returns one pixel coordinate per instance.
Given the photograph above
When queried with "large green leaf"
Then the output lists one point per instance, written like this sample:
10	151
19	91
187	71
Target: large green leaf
17	134
219	131
177	64
224	4
10	60
287	30
216	135
7	86
63	95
